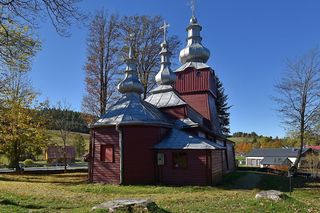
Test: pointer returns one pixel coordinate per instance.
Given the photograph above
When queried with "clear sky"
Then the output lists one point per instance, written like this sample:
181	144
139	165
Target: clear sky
249	41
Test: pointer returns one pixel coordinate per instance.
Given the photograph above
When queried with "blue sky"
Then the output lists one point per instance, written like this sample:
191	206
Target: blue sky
249	40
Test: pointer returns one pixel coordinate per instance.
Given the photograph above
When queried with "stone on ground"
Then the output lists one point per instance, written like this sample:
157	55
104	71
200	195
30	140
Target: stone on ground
128	205
271	195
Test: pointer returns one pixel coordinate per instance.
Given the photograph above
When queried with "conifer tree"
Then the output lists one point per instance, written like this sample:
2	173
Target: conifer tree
222	108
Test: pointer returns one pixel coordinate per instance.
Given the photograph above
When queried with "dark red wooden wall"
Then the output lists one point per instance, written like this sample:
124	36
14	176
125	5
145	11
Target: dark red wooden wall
199	102
107	172
138	154
195	174
191	80
176	112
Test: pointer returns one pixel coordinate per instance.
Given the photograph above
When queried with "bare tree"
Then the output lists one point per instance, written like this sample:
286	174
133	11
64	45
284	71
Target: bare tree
65	123
102	63
61	13
19	20
146	44
299	96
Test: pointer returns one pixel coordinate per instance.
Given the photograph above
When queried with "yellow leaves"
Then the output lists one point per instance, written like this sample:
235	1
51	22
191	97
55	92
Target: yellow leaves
20	125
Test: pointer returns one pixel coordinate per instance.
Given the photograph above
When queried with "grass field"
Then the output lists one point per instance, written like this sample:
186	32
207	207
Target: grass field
55	137
70	193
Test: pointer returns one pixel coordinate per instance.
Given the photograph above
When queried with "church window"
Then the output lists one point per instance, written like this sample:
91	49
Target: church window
107	153
179	160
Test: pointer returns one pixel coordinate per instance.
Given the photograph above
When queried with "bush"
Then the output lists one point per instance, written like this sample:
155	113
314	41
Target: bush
28	162
4	162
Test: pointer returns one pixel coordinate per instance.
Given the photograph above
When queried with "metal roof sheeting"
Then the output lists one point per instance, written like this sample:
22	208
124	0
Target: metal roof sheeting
275	152
164	96
130	109
275	161
185	123
178	139
196	65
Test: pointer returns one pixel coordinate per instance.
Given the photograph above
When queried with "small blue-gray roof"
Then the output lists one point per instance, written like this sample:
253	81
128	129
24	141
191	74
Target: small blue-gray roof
185	123
178	139
275	152
275	161
130	109
164	96
196	65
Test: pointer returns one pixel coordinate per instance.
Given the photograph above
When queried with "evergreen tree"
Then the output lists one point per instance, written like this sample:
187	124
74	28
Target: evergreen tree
222	108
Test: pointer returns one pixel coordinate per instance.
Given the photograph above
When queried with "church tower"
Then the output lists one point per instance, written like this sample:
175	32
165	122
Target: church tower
196	81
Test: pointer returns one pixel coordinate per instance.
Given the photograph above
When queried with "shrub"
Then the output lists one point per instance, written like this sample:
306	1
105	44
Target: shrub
3	161
28	162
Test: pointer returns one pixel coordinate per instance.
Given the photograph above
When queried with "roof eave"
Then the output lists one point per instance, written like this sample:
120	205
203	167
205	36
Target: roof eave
131	123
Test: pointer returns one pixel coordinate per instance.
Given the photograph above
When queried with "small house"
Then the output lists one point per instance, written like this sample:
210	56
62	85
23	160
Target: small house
55	154
270	157
277	163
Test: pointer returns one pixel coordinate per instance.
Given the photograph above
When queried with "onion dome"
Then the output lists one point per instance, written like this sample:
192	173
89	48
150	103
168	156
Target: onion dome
194	51
165	76
131	83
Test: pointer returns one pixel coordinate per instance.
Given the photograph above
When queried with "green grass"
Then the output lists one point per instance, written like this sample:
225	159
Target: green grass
55	137
71	193
240	157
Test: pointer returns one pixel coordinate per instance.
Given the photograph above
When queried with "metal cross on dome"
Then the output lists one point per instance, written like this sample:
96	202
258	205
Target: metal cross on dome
193	7
131	38
165	29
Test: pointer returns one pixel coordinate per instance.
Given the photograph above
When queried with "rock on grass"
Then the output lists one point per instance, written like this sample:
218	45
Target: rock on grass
128	205
271	195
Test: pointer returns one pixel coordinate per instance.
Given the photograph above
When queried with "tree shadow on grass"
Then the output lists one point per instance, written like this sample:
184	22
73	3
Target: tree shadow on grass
13	203
249	180
54	179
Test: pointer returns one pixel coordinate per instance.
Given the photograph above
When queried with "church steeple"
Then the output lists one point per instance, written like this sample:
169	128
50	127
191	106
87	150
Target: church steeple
165	76
131	83
194	51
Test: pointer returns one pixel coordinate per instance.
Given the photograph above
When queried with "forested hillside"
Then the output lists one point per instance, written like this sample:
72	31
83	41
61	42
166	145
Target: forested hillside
245	142
77	119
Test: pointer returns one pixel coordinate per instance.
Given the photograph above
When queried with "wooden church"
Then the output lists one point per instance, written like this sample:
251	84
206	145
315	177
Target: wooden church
172	137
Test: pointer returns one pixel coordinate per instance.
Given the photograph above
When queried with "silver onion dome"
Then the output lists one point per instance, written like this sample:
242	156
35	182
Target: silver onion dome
194	51
165	76
131	83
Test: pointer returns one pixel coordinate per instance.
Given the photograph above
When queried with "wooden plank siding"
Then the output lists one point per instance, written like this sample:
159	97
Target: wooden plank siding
192	80
217	165
138	154
199	102
194	174
177	112
106	172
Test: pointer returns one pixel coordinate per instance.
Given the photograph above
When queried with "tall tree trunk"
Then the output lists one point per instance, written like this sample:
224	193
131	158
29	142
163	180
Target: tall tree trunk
65	156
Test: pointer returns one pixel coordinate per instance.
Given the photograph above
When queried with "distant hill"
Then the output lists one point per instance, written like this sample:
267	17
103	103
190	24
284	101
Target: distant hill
242	139
76	118
55	138
245	142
